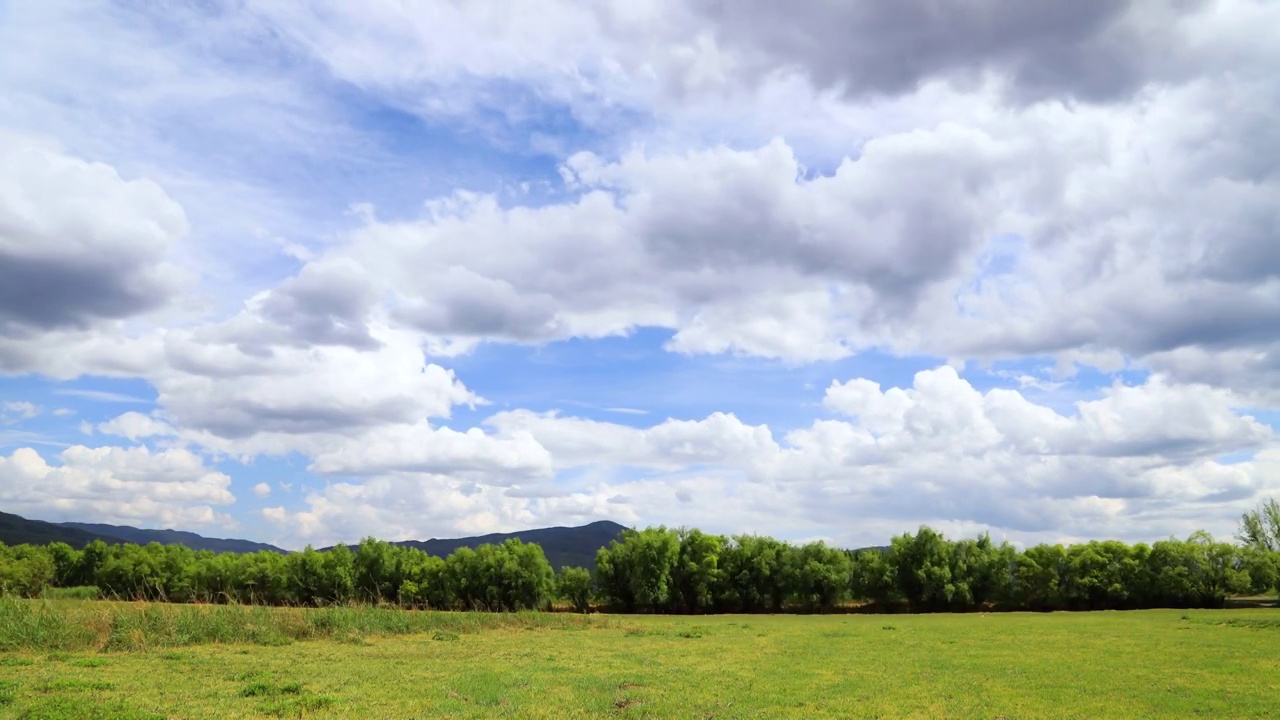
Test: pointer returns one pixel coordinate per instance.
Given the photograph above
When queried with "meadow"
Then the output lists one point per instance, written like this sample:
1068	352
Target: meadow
131	661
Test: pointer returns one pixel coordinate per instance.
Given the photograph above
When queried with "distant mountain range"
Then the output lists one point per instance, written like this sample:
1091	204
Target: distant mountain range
15	530
139	536
564	546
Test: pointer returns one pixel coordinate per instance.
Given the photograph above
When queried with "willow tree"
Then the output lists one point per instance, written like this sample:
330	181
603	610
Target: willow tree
1260	527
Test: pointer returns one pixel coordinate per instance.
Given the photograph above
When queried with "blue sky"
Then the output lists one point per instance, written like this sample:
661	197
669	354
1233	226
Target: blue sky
301	272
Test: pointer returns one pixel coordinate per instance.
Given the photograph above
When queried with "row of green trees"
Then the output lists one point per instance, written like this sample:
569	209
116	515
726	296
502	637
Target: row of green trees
661	570
509	576
682	571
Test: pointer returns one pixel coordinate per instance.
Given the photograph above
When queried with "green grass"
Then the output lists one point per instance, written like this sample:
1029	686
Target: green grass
76	625
1148	664
87	592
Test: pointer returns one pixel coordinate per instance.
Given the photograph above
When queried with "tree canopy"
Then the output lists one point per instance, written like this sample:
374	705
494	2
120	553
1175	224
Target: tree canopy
662	570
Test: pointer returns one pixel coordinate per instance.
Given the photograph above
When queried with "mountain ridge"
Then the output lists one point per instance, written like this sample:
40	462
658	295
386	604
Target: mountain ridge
143	536
17	530
564	545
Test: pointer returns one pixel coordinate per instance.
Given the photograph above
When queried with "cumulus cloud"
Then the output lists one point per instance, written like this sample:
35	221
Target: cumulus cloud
78	243
720	439
439	451
1137	459
640	54
1087	184
215	387
400	507
1047	48
262	489
1149	420
688	241
941	451
136	426
1076	231
328	303
116	484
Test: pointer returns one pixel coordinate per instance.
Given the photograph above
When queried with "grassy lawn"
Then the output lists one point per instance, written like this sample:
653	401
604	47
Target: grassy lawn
1145	664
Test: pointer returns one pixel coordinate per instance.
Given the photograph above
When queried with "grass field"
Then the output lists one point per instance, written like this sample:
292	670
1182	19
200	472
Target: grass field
1218	664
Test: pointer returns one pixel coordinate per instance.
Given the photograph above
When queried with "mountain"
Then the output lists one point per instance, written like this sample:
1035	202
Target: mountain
140	536
15	530
564	546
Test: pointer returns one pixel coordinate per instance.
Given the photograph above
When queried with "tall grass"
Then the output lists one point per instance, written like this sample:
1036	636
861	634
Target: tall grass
70	625
87	592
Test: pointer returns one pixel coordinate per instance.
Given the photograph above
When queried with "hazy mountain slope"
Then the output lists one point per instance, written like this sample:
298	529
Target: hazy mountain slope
141	536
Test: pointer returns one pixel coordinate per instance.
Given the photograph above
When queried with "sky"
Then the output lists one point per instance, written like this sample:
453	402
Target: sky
302	272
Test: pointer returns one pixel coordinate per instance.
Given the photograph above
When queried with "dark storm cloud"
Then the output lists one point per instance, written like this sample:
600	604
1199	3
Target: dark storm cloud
75	291
1096	50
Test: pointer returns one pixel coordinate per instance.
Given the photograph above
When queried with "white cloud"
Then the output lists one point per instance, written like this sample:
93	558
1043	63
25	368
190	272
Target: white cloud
239	401
399	507
135	426
725	246
995	234
117	485
1136	463
1088	184
441	451
101	396
15	411
80	245
262	489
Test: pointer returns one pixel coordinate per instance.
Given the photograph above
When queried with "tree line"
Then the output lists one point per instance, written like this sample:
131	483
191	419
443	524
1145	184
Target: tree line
509	576
662	570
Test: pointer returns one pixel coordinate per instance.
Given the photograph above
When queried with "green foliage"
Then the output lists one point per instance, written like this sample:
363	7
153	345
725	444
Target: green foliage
688	571
1260	527
26	570
635	573
654	570
507	577
873	579
696	576
511	576
756	574
575	585
85	592
821	576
